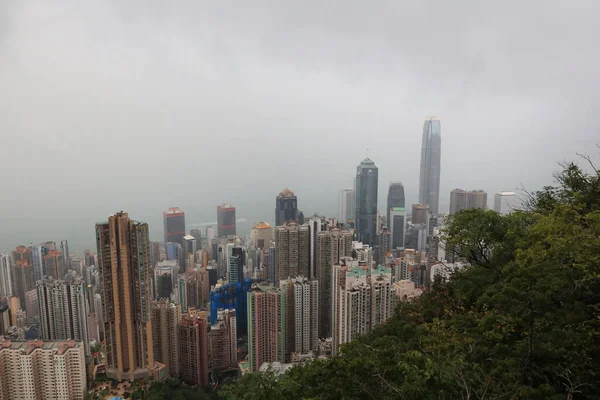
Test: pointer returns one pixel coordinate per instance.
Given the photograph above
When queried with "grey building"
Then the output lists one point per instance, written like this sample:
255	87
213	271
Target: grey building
286	207
190	247
396	215
174	225
196	234
346	211
64	309
237	260
367	176
462	200
431	150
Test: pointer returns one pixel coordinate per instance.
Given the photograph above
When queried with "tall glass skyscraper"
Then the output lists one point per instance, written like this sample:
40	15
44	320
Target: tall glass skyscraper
367	176
431	151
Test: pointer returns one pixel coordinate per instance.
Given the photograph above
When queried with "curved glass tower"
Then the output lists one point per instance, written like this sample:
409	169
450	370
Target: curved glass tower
367	176
431	151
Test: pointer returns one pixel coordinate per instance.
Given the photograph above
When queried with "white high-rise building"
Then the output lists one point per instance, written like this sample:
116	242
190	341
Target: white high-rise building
505	202
331	246
42	370
210	235
362	299
5	275
63	309
303	307
346	206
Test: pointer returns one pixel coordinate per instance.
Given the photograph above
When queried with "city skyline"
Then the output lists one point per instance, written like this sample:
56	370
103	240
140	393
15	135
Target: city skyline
245	224
170	268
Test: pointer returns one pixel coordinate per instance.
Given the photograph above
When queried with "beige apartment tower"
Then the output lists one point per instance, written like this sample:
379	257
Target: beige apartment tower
165	319
267	326
331	246
292	242
192	333
124	260
420	214
467	200
42	370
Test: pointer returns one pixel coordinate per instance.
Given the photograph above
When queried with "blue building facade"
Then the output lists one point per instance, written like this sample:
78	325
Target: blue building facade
232	296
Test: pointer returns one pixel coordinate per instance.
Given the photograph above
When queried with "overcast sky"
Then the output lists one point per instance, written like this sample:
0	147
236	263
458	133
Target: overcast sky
144	104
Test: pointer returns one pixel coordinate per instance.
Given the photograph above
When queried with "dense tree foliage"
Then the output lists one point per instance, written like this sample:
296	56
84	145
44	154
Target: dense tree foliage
173	390
521	322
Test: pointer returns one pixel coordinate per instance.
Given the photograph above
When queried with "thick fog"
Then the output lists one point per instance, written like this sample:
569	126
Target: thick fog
142	105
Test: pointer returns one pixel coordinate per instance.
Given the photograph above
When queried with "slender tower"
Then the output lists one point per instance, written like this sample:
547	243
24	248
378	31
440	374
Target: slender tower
367	176
431	151
124	259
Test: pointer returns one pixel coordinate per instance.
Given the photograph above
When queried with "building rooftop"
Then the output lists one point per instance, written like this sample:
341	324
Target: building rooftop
367	161
188	237
166	264
173	211
262	225
276	366
506	193
286	193
27	347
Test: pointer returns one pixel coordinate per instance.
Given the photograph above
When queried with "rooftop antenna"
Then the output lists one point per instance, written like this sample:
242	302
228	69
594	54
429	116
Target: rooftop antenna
367	153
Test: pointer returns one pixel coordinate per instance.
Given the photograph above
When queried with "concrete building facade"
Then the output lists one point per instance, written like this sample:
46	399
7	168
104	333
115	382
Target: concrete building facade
267	316
63	309
505	202
5	275
292	243
223	342
261	235
42	370
166	317
331	246
467	200
302	330
193	348
346	211
362	299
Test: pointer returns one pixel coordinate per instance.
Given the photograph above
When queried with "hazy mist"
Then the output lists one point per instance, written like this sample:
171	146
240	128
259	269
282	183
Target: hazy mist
142	105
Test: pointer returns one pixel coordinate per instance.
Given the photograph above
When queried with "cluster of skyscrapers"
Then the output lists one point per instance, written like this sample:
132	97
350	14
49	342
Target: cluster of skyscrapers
203	303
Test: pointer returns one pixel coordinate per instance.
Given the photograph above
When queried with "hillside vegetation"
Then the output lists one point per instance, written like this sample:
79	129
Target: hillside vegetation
522	322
